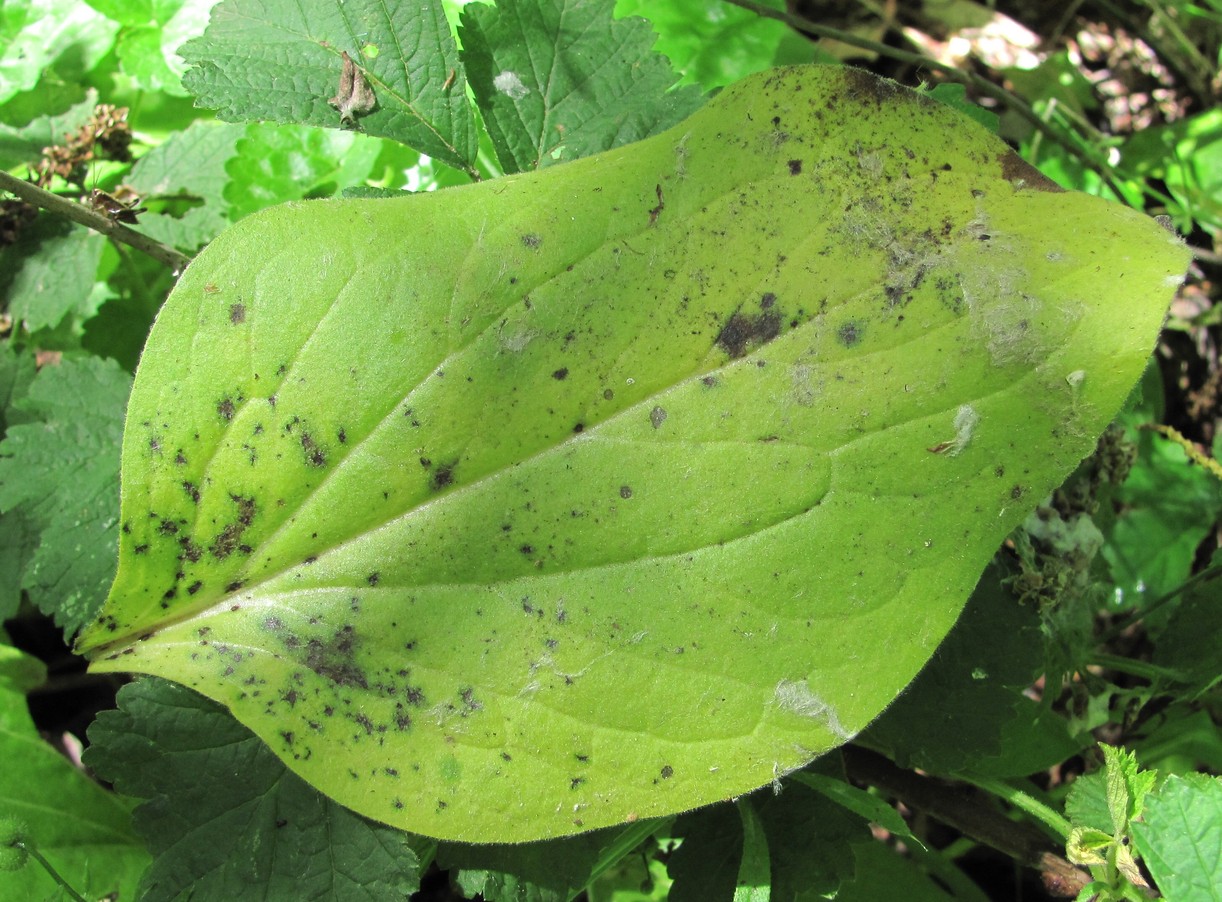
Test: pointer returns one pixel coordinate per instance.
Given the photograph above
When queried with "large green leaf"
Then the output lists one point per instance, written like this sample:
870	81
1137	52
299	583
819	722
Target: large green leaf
581	496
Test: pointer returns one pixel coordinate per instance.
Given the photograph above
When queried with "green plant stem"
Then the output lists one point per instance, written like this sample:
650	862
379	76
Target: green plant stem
91	219
965	812
1025	802
982	85
1141	669
54	874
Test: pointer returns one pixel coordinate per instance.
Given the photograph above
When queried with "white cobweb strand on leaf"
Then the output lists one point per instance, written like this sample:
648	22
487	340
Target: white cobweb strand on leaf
797	697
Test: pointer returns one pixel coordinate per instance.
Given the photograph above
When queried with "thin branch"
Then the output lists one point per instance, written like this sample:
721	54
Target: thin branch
981	85
961	809
91	219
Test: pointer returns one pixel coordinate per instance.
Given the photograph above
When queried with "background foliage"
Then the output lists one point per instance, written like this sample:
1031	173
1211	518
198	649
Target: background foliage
1098	622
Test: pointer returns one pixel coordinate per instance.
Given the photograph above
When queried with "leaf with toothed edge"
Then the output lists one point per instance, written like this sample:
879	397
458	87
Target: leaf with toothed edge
604	492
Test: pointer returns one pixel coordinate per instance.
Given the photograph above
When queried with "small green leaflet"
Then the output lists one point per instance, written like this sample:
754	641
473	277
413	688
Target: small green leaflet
594	494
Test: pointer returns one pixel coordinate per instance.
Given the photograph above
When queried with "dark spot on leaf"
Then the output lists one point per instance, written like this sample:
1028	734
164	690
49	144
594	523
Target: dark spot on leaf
333	659
625	491
365	722
237	313
741	333
342	436
194	587
608	394
1016	492
167	527
561	373
234	586
373	578
527	550
667	772
442	477
315	456
273	623
532	241
192	491
190	551
225	409
657	417
574	782
1015	169
140	549
850	334
795	167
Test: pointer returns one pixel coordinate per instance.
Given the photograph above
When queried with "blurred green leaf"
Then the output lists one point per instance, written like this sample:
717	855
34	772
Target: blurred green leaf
1180	838
1187	157
274	164
966	712
1167	507
190	165
716	44
66	34
82	829
60	471
50	272
24	144
223	817
561	79
1191	641
279	60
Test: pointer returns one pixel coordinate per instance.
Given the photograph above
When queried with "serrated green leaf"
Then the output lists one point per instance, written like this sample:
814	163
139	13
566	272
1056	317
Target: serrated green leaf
588	495
1127	786
49	273
1086	802
83	830
223	817
558	80
59	471
1180	837
280	60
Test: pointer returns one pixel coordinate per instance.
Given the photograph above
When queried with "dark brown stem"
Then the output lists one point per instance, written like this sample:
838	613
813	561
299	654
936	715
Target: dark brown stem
91	219
966	810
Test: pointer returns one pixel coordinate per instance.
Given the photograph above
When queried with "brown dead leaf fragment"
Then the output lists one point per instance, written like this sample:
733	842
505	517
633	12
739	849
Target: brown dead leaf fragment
355	96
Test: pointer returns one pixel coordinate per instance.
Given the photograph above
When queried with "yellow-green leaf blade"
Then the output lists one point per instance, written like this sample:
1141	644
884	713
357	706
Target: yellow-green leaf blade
600	493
